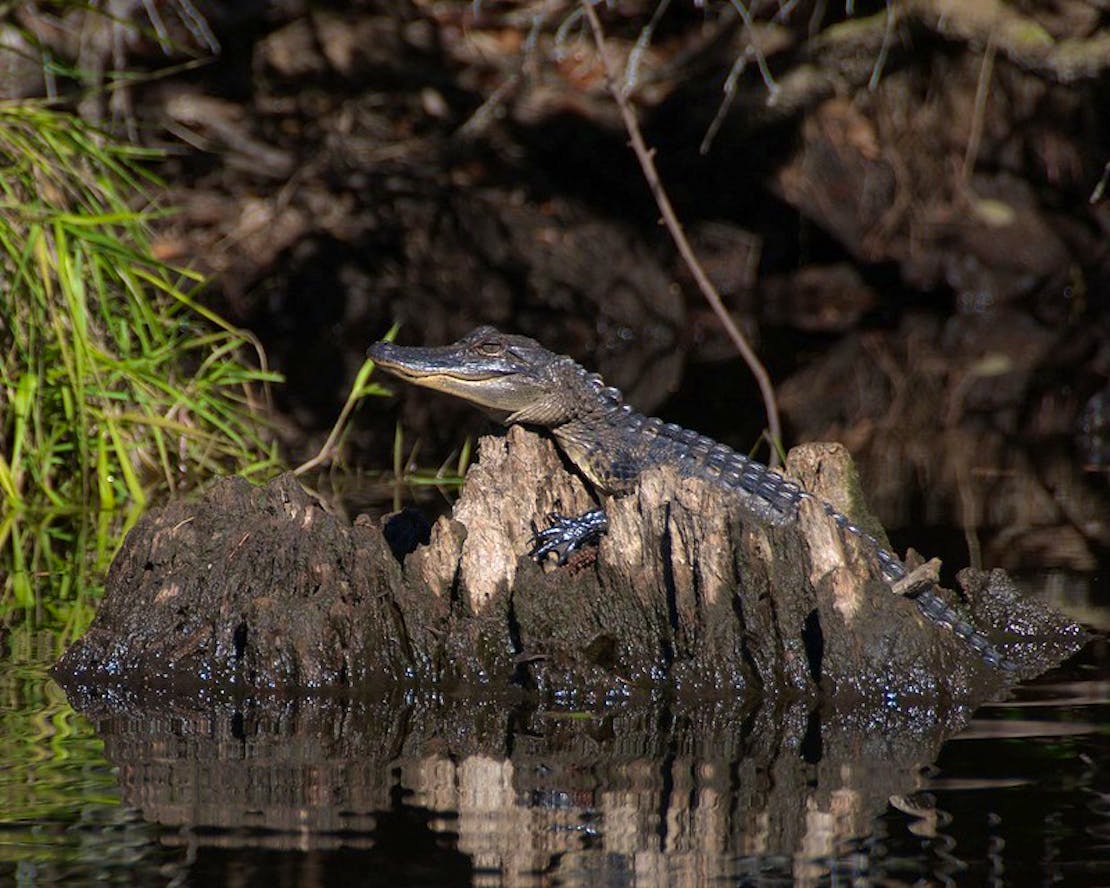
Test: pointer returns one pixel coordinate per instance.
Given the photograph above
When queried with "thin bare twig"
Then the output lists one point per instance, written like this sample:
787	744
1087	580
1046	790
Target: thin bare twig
884	50
982	90
647	163
760	58
632	69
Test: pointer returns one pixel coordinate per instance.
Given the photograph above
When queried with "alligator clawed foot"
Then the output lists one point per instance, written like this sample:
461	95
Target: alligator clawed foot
568	533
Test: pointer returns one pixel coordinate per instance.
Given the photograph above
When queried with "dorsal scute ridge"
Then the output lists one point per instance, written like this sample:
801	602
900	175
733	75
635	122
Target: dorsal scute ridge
607	394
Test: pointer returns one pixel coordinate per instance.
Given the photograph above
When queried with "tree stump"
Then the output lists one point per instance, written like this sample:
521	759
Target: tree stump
264	588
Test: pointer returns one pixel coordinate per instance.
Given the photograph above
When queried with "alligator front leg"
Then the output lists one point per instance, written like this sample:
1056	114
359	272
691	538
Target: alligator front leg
568	533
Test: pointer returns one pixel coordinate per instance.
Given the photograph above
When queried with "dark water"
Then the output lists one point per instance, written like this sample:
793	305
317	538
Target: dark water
415	789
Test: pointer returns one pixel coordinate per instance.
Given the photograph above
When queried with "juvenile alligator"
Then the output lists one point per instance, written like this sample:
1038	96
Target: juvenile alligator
519	381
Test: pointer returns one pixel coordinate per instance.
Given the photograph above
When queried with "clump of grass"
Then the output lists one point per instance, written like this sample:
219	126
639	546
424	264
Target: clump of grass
406	470
362	387
116	385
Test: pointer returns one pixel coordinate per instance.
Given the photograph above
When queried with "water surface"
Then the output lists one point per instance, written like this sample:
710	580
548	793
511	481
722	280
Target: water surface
421	789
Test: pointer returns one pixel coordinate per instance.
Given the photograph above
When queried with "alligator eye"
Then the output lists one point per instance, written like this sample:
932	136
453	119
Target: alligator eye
490	348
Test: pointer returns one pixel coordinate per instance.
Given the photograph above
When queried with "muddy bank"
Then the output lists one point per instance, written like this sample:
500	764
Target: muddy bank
263	588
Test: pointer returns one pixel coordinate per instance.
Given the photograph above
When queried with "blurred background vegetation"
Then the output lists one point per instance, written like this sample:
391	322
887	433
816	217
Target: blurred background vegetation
902	203
116	385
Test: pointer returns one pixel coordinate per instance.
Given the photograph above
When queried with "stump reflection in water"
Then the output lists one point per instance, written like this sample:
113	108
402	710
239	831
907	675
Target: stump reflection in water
681	793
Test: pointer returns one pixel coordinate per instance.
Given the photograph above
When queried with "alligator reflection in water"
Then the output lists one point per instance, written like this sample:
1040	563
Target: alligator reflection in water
673	794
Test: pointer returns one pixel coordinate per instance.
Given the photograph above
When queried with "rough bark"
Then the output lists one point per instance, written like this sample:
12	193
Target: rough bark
264	588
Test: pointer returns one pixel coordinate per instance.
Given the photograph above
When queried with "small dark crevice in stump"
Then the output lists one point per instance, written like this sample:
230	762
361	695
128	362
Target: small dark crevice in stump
240	641
750	667
521	676
812	747
814	642
405	530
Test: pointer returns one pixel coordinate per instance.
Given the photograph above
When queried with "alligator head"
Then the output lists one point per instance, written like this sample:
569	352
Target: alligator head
513	377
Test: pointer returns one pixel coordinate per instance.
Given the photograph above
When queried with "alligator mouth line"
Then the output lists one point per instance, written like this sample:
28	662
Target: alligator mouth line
433	377
431	372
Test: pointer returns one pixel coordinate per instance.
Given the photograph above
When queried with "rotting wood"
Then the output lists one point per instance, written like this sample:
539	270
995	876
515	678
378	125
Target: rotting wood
687	592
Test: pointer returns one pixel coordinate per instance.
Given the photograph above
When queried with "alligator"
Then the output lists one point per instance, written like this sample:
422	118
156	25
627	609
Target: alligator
517	380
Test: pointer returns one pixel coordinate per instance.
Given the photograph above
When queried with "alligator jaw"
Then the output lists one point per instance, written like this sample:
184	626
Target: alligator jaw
497	382
425	365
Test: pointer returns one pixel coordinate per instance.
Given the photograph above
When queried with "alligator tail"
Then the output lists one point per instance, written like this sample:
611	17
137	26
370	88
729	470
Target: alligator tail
936	609
932	606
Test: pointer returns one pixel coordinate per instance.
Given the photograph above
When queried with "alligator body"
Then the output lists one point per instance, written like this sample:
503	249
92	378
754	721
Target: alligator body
519	381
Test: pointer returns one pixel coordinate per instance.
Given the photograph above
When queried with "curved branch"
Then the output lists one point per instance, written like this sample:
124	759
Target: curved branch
647	163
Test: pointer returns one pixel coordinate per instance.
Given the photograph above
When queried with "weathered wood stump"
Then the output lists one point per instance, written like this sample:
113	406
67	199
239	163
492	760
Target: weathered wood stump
265	588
